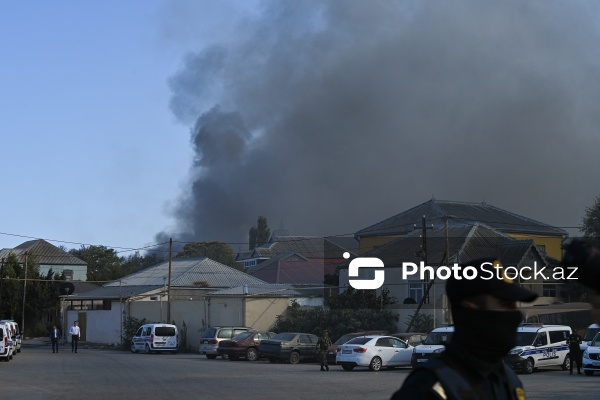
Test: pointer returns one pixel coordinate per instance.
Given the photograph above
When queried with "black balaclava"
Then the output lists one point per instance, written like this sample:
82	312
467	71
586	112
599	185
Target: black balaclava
489	334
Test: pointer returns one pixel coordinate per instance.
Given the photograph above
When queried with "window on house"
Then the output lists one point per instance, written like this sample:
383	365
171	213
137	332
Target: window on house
416	291
549	290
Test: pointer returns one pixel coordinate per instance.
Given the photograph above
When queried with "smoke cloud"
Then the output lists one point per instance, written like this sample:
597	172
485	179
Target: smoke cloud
331	116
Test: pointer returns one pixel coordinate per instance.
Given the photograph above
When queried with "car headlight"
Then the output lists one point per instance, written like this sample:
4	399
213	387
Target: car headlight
516	351
414	350
586	354
438	350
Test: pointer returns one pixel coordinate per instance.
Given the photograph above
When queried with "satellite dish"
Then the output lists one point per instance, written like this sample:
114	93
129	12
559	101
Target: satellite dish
66	288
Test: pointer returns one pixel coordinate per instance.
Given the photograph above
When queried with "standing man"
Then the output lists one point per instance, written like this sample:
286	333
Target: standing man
574	340
54	338
322	345
486	319
75	335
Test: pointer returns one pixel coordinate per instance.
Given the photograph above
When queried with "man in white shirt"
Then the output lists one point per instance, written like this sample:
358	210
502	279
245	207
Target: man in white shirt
75	335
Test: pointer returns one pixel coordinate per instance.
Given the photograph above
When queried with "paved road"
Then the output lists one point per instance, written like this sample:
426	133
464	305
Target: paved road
36	373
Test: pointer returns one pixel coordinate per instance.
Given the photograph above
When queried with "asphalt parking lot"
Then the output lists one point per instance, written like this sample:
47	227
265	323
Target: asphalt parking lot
36	373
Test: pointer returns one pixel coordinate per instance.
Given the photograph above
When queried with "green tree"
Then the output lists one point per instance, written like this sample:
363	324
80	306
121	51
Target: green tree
591	223
353	311
422	322
136	262
259	234
103	264
217	251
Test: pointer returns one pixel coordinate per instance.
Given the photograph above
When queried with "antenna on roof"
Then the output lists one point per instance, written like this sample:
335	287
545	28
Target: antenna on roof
281	231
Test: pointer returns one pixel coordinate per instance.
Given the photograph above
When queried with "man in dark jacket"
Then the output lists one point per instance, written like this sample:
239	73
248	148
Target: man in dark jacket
486	319
575	355
55	338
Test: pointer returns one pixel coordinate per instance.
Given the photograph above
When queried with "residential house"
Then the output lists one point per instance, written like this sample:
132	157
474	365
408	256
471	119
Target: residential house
298	259
49	257
437	212
444	248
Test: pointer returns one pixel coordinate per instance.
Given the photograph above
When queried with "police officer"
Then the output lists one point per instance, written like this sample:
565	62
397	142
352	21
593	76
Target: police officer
574	340
485	318
322	345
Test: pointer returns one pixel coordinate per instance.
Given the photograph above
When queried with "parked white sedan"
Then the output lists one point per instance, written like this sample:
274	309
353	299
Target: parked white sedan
374	352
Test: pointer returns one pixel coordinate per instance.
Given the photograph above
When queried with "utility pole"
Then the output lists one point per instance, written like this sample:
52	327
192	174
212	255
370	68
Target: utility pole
1	282
423	251
169	287
423	254
24	293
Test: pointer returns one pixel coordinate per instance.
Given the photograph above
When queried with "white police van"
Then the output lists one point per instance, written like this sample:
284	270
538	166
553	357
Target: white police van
432	346
540	346
588	336
6	343
155	338
591	356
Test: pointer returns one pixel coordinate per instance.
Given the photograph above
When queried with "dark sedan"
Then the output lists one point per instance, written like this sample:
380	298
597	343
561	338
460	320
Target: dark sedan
290	346
244	345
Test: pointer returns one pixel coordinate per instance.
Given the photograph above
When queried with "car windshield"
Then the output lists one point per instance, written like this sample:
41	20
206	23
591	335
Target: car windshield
359	340
284	337
438	338
596	341
343	339
590	333
525	338
242	336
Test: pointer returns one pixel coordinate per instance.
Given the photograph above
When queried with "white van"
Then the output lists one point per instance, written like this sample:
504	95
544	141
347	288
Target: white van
6	346
154	338
432	346
15	334
540	346
588	336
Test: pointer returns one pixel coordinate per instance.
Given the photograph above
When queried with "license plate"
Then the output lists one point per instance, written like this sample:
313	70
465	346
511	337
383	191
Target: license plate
421	360
205	341
596	363
346	351
330	353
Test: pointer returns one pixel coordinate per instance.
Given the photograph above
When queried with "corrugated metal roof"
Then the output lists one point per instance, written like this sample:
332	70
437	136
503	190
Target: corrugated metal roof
264	290
44	253
459	213
189	272
113	292
307	246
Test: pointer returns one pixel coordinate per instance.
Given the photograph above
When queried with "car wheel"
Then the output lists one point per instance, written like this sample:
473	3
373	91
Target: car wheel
375	364
294	357
147	349
528	369
225	356
347	367
211	356
589	373
272	360
133	349
251	354
567	364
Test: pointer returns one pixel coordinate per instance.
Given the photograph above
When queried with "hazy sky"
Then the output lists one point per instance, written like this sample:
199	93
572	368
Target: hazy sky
125	123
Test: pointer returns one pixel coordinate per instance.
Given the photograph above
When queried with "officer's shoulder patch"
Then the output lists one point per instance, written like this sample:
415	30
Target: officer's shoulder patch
520	393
